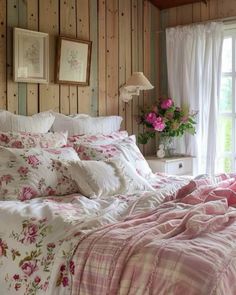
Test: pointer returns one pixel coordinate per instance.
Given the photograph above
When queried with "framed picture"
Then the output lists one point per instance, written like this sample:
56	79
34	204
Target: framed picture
73	61
31	56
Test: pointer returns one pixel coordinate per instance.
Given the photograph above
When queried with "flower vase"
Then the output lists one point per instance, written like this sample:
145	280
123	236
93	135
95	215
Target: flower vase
168	145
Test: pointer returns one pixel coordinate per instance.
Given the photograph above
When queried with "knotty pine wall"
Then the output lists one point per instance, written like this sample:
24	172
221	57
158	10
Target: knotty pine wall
187	14
123	33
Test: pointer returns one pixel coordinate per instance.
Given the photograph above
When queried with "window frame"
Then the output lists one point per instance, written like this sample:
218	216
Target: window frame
230	31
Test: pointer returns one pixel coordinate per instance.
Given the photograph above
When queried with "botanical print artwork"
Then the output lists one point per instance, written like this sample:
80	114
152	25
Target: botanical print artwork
32	60
31	55
73	64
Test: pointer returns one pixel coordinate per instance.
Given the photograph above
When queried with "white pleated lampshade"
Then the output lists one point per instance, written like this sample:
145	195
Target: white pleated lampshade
138	80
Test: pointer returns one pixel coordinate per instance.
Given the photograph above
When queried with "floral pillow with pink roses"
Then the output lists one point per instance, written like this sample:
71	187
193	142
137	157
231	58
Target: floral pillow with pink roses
26	140
30	173
126	148
98	139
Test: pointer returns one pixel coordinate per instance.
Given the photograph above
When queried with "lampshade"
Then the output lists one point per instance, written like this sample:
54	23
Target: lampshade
138	80
133	86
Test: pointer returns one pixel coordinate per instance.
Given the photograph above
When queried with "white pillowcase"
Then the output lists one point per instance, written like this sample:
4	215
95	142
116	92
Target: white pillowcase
38	123
106	178
82	124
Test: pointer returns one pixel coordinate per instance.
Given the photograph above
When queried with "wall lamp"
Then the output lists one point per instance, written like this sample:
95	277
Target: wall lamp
134	84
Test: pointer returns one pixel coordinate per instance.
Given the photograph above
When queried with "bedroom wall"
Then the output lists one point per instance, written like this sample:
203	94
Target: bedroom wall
122	33
191	13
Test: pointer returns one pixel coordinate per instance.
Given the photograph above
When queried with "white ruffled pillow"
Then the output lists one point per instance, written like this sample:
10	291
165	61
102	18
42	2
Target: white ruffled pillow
38	123
106	178
36	172
126	148
26	140
83	124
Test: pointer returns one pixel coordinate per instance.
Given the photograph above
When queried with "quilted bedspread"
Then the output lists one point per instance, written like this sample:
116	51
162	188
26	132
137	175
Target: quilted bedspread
134	244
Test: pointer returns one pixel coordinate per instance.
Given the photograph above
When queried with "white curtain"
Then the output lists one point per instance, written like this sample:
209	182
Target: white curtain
194	73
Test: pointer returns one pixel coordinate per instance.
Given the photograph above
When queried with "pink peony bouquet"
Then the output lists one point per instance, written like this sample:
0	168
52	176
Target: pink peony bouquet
167	120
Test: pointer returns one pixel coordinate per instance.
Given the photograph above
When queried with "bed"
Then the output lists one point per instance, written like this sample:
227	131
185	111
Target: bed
161	235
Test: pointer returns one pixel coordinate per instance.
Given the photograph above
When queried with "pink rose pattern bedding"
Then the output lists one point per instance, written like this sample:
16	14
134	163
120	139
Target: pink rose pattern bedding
37	246
27	140
30	173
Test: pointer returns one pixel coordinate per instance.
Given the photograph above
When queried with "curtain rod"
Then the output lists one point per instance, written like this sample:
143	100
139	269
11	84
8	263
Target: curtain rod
226	20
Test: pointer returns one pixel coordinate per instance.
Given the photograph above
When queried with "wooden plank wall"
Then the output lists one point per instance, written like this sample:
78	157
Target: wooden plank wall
187	14
122	32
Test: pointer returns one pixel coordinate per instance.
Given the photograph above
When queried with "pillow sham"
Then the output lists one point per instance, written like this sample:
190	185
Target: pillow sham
79	125
38	123
126	147
30	140
30	173
98	139
106	178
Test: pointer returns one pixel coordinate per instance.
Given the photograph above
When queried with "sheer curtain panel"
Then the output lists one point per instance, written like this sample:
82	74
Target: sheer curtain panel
194	73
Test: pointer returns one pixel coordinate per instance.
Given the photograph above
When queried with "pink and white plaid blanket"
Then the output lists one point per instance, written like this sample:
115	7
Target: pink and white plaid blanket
186	246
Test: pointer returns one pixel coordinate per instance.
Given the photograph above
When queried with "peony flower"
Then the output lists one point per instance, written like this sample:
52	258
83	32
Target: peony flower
167	103
30	234
4	138
159	124
17	144
27	193
7	178
65	281
23	171
33	161
151	117
29	267
16	277
37	280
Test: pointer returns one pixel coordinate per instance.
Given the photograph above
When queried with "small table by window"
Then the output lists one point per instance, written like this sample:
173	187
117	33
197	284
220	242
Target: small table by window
182	165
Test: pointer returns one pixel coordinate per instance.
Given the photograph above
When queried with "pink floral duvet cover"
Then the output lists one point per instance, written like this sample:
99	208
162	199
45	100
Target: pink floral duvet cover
132	244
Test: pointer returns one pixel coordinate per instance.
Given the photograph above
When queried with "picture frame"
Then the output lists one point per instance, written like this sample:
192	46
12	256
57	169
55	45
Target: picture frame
31	56
73	61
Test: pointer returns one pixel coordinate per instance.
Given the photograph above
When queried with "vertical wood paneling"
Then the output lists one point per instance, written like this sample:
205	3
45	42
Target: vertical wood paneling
68	94
3	41
122	57
102	93
135	61
22	88
83	32
12	87
140	57
149	148
112	57
32	89
94	58
128	64
48	22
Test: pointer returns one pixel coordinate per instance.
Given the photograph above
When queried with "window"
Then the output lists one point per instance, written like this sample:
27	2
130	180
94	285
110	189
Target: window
227	106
